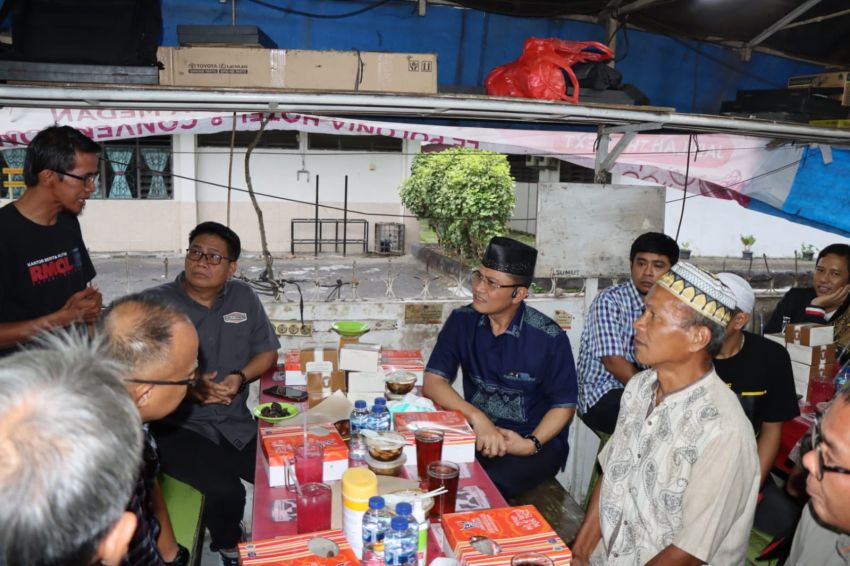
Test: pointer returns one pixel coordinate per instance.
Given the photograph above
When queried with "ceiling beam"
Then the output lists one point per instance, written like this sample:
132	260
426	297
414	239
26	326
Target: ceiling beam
782	22
637	5
818	19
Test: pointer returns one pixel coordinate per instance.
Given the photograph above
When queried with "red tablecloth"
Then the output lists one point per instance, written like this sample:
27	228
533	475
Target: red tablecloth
792	432
264	526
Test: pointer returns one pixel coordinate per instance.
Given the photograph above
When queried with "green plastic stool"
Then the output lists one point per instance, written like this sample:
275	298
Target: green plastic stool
185	508
758	542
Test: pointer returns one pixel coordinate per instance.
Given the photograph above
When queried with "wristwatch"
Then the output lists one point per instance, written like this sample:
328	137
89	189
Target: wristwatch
538	446
241	374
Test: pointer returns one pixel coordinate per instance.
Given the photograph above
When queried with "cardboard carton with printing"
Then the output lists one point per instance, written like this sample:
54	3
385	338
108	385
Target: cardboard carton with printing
278	443
513	529
809	334
458	436
404	360
323	548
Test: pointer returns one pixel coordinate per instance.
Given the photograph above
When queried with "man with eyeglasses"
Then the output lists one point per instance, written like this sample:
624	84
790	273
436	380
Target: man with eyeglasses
519	379
46	268
823	534
211	442
159	346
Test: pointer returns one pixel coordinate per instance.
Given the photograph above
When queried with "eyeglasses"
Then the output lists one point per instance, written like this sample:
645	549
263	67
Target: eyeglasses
188	382
92	178
198	255
476	277
820	467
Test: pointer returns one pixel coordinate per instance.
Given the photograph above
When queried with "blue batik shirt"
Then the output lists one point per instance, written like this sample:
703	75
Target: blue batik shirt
608	331
514	378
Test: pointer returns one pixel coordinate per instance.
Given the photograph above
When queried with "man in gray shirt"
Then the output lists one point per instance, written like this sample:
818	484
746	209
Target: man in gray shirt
210	442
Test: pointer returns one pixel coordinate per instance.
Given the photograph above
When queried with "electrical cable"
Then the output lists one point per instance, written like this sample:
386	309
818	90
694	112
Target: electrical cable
295	12
685	186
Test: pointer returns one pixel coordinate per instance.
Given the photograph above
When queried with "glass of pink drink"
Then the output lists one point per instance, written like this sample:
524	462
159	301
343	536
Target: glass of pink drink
308	463
313	507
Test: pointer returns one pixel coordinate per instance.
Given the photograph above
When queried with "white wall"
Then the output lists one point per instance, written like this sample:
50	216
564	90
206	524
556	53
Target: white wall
713	228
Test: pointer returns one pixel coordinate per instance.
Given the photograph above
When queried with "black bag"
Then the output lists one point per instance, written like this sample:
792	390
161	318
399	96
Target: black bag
597	75
93	32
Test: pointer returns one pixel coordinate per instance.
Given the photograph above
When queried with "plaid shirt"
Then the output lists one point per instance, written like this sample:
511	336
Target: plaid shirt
142	550
608	331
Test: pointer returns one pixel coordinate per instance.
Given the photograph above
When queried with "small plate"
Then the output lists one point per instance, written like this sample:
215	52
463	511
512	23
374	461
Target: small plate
350	327
293	410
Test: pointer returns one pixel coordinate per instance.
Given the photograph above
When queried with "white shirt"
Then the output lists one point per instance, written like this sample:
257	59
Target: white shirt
684	472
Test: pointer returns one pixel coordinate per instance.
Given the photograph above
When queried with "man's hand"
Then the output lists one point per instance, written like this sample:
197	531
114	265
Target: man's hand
516	445
83	305
489	441
207	392
833	300
229	386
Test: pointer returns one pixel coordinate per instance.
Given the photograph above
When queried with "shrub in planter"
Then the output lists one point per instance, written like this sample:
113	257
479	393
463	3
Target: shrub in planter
467	195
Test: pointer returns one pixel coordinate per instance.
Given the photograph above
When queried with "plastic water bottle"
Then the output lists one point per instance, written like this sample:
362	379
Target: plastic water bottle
380	418
359	416
400	548
357	451
841	379
376	523
418	524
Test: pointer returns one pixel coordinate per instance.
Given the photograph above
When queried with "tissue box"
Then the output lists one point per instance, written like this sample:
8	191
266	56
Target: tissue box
809	334
810	355
407	360
289	368
278	441
458	443
360	357
516	529
309	549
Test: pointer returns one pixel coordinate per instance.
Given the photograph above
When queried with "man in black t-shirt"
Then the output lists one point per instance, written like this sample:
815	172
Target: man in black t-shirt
759	372
44	265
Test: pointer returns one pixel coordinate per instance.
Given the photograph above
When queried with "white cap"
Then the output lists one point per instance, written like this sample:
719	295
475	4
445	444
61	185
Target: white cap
744	296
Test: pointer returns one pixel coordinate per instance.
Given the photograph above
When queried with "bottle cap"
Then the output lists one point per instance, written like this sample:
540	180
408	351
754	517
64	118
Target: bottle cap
403	508
376	502
359	484
360	404
380	401
379	408
398	523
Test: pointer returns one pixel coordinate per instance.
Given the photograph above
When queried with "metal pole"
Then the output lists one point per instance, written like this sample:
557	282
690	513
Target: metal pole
345	218
316	231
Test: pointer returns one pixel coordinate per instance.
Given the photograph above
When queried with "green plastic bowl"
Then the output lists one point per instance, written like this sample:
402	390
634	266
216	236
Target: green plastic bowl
350	327
293	410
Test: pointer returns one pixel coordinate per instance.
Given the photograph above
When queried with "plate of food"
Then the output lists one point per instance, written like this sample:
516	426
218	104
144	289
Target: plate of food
275	412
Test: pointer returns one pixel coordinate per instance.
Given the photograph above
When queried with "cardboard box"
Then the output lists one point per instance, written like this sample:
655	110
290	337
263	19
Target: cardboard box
309	549
515	529
458	438
809	355
809	334
805	373
836	80
322	381
360	357
298	69
365	385
361	71
221	66
289	368
406	360
325	352
278	442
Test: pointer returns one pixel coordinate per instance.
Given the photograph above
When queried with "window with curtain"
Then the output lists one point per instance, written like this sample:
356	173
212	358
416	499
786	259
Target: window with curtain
138	168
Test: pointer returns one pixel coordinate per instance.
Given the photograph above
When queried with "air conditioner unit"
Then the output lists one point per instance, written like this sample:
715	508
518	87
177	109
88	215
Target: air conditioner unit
540	162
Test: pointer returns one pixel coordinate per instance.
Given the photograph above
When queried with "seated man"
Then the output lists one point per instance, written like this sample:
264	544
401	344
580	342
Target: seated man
759	372
70	449
212	443
159	346
606	359
680	473
823	534
519	381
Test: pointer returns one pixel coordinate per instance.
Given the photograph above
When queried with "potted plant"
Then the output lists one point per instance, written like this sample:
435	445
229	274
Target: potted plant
807	251
685	250
748	242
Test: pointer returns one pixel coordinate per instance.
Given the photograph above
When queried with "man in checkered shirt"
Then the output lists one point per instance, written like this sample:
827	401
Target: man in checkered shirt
606	359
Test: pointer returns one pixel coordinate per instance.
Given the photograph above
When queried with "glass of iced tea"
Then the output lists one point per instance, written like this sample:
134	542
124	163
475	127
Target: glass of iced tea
443	473
429	448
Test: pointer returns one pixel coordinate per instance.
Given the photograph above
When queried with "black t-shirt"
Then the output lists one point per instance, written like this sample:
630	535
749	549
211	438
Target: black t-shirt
761	376
40	266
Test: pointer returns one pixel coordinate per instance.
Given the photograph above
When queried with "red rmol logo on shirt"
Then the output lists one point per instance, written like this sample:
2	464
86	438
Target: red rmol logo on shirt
49	268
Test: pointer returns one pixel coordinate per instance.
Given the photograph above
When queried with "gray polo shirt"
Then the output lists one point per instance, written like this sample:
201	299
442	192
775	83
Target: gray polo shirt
230	333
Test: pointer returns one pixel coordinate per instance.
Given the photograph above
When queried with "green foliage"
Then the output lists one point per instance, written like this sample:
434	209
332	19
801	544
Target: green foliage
466	195
807	249
748	241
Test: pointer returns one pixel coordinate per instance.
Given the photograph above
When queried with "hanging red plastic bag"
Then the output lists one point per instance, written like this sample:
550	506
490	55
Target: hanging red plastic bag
539	71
